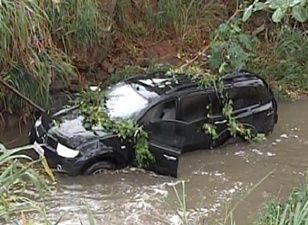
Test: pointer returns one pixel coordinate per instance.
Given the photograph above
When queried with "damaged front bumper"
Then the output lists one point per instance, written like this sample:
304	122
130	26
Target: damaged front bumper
57	162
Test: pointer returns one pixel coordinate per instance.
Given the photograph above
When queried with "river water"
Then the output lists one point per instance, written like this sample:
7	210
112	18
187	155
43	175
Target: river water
237	179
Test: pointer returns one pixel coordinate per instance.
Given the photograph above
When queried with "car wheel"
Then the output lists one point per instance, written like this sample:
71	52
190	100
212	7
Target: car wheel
100	167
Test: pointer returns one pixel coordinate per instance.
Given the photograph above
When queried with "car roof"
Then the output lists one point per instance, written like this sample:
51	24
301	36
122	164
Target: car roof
164	83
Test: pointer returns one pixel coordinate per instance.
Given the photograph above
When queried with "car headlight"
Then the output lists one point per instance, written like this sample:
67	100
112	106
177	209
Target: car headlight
66	152
38	122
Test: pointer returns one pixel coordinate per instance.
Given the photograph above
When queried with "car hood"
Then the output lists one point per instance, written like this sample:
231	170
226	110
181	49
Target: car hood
68	128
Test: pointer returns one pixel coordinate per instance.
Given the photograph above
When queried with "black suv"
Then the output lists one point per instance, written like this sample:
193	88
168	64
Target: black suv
172	110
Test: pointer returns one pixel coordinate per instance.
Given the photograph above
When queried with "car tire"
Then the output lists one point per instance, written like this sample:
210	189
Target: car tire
99	167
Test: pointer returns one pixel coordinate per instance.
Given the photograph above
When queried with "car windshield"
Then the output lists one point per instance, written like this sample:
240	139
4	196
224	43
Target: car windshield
125	101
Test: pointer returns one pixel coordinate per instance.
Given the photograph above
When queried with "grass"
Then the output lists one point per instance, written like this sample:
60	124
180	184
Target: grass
292	212
18	177
182	203
188	21
283	62
40	41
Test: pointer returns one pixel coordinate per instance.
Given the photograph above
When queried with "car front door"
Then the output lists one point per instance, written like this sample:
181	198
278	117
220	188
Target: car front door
194	109
166	135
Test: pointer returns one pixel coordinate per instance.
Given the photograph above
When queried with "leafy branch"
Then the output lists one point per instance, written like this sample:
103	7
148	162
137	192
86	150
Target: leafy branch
298	9
231	49
206	79
93	107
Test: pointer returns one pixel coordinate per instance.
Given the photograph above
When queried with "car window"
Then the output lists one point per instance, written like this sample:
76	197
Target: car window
194	106
162	111
248	96
123	102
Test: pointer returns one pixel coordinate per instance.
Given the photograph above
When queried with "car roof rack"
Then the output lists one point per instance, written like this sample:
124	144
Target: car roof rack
182	88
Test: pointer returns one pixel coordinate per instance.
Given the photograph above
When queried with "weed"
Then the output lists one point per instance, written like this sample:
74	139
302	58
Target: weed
17	177
294	211
40	41
284	63
186	20
181	199
27	48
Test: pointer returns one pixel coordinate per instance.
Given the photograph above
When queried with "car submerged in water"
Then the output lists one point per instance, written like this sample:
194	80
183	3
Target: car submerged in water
172	110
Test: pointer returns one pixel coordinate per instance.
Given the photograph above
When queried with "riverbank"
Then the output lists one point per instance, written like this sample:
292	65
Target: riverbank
77	44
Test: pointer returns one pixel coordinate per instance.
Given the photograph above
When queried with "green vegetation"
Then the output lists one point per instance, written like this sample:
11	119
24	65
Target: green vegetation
284	64
231	48
24	183
282	9
47	43
19	174
41	40
93	107
282	60
292	212
188	21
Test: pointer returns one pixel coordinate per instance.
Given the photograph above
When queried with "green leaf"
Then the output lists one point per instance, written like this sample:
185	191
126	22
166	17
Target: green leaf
300	13
278	15
259	6
247	13
216	59
294	2
276	4
222	68
246	41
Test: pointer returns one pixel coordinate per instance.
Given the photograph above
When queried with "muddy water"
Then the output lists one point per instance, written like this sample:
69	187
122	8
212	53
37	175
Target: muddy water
238	176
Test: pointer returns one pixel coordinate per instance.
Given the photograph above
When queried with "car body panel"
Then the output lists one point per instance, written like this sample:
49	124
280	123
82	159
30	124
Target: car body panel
173	116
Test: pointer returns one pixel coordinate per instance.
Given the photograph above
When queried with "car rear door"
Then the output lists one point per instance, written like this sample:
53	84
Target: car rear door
197	109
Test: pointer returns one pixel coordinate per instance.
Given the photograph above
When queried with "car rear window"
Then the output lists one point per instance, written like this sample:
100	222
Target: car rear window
248	96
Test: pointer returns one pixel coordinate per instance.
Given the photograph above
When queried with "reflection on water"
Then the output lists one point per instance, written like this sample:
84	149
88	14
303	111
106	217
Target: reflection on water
216	181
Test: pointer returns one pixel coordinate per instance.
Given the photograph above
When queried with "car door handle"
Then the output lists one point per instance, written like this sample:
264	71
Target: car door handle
169	157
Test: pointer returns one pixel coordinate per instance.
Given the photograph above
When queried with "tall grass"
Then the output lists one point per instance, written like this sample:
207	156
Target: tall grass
17	178
81	29
40	41
23	185
283	62
182	210
186	20
292	212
